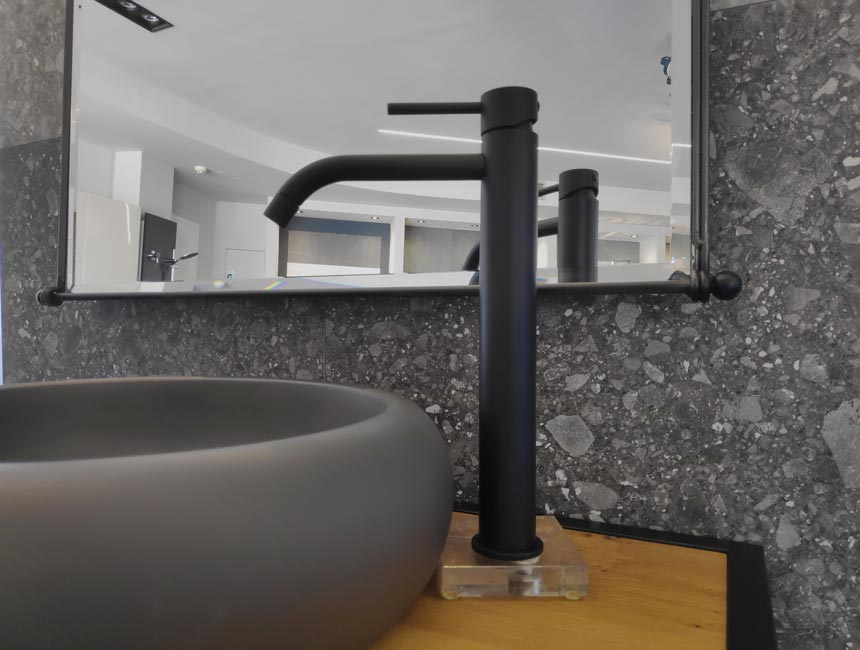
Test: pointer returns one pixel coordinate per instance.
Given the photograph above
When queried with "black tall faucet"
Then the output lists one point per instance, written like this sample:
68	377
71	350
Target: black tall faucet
507	169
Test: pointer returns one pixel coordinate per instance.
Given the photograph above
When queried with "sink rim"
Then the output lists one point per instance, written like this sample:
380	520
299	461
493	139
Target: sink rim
387	400
235	531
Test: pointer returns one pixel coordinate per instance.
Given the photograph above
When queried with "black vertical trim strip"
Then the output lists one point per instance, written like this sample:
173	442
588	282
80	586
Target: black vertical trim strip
699	240
702	114
65	154
750	615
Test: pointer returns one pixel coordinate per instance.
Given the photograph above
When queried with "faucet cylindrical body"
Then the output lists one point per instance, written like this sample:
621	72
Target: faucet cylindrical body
508	350
577	226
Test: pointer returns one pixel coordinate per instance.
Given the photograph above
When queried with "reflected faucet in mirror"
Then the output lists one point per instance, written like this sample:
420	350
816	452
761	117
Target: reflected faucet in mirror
575	226
166	264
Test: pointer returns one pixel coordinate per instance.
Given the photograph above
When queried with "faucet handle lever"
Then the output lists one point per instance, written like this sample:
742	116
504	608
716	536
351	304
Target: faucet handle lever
507	107
434	108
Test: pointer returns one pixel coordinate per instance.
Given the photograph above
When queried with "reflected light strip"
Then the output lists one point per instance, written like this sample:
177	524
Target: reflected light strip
428	136
594	154
681	144
575	152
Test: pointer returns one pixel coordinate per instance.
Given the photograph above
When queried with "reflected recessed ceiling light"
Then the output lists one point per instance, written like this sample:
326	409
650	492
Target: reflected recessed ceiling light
137	14
374	218
635	236
200	169
421	221
575	152
475	225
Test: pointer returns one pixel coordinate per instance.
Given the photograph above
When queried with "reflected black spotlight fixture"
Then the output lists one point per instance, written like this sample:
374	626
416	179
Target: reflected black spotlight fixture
138	14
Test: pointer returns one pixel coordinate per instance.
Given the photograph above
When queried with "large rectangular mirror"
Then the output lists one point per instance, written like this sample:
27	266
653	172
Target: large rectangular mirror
186	117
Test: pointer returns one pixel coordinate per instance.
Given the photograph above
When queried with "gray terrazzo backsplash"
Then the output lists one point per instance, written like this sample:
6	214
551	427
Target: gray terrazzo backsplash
739	420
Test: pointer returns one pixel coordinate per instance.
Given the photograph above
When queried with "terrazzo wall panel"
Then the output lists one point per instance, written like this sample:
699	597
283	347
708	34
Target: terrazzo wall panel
740	420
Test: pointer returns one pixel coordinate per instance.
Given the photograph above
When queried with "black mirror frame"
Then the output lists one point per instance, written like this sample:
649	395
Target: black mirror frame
699	285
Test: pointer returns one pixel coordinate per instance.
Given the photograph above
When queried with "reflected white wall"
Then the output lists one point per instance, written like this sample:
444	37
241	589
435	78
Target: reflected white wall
193	206
141	179
243	226
95	169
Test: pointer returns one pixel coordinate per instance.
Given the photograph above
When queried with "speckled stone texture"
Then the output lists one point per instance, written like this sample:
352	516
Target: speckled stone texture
740	420
277	337
425	349
31	50
781	457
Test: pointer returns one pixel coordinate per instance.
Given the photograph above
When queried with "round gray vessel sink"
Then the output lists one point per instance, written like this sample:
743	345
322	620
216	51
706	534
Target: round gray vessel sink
213	513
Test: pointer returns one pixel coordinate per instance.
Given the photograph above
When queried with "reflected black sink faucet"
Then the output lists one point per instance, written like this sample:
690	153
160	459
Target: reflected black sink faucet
507	169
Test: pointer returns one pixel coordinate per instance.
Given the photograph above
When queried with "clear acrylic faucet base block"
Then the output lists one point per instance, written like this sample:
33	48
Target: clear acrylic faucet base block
558	573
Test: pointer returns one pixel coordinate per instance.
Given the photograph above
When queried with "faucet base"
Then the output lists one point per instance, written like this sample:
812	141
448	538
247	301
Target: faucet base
535	551
559	572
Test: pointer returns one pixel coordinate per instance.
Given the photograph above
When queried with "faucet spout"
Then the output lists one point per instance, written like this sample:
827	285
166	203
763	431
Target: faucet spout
393	167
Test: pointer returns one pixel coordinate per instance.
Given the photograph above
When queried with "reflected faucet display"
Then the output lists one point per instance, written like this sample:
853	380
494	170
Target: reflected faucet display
575	226
166	264
507	169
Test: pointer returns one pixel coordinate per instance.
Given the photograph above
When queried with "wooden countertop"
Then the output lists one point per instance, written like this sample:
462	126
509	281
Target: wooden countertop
642	595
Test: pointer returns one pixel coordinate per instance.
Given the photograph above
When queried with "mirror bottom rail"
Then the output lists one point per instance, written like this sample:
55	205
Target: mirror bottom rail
54	297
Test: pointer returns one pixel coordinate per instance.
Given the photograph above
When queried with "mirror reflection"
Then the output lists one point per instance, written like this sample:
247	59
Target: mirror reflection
188	116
